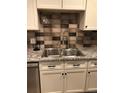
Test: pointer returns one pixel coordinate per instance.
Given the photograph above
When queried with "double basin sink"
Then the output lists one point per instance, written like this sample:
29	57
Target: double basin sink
57	53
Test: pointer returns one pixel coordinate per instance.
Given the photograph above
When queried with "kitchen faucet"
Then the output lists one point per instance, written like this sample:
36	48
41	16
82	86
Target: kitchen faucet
64	42
65	39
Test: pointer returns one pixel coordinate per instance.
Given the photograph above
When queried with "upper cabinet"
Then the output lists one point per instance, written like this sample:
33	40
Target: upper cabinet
61	4
91	15
32	16
49	4
74	4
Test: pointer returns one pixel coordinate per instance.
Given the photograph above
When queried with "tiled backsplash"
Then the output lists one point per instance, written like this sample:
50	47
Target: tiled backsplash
61	30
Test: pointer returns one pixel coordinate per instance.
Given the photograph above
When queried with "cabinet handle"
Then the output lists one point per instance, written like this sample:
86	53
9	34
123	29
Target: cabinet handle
65	73
52	66
86	26
88	72
94	64
75	65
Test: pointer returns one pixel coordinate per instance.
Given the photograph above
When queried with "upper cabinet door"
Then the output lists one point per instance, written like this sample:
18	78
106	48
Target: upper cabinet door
32	16
49	4
74	4
91	15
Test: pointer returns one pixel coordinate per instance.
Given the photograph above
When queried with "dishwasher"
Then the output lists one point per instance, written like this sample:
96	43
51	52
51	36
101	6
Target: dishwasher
33	80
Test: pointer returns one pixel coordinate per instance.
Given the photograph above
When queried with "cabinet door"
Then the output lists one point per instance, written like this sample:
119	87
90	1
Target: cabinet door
49	4
91	84
74	4
51	81
91	15
32	16
75	81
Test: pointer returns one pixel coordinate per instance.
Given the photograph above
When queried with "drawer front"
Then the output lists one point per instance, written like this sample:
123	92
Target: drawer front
75	64
51	66
92	64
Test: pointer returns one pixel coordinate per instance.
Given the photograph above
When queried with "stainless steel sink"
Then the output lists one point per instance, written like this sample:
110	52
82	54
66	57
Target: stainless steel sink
51	52
56	53
72	52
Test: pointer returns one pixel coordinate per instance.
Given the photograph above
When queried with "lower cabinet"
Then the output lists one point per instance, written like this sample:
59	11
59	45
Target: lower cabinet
70	81
75	81
51	81
91	82
70	77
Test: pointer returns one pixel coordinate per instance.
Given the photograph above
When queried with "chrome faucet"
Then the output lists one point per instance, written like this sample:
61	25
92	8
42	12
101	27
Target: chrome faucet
65	39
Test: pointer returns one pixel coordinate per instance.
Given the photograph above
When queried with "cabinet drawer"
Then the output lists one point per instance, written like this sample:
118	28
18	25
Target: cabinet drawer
92	64
51	66
75	64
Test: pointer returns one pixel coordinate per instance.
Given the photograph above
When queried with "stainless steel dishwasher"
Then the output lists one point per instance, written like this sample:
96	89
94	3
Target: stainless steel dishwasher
33	80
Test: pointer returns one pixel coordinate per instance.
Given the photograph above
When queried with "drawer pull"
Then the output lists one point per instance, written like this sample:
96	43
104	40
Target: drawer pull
75	65
51	66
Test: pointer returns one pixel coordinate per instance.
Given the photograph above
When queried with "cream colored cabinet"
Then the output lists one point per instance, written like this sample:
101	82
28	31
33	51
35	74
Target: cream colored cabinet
59	77
75	81
91	83
61	4
75	76
32	16
51	77
74	4
60	81
49	4
51	81
91	15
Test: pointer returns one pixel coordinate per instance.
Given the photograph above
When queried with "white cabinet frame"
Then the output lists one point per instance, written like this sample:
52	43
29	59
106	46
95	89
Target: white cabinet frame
32	15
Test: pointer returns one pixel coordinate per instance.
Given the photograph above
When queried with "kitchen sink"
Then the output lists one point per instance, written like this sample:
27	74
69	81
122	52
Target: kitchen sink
56	53
51	52
72	52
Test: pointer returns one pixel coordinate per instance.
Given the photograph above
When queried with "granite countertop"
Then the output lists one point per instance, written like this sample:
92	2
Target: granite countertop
34	56
90	52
